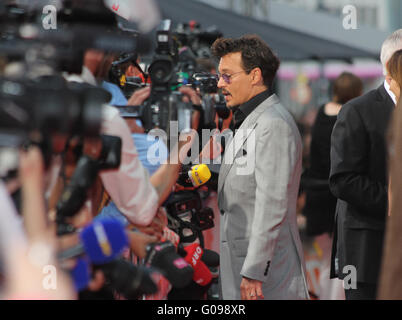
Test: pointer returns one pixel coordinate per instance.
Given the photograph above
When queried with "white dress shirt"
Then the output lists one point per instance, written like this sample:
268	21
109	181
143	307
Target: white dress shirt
388	89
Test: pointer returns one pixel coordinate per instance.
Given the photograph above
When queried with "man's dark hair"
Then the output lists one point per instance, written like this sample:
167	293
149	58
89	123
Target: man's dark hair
346	87
254	52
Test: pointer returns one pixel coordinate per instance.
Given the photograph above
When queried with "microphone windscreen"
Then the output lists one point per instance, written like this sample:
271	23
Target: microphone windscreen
81	274
202	276
194	253
130	280
164	257
199	174
104	240
210	258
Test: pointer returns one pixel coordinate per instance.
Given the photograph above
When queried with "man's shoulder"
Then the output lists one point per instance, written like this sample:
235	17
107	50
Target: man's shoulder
275	112
375	96
366	104
277	116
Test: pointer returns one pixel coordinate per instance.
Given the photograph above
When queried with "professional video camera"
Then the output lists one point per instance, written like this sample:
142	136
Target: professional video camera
35	111
170	69
199	41
128	84
85	173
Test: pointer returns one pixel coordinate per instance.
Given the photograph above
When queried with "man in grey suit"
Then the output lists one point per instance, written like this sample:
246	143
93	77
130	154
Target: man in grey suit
261	251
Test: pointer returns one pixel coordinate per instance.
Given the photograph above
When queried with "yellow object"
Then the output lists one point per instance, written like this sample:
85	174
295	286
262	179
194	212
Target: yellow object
199	174
123	80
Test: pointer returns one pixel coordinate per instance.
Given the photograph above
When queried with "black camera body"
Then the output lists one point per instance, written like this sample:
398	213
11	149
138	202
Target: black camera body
192	35
165	104
187	217
75	193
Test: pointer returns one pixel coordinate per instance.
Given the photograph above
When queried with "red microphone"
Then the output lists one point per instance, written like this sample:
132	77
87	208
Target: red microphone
202	275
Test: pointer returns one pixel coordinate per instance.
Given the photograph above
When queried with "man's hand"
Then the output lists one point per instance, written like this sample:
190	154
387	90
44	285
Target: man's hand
251	289
156	226
139	241
190	95
139	96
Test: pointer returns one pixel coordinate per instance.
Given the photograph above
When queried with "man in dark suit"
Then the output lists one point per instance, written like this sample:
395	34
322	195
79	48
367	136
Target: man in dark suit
359	179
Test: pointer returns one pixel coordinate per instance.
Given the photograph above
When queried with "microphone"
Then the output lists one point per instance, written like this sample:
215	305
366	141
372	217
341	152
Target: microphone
102	241
202	276
193	254
163	256
80	274
130	280
210	258
194	176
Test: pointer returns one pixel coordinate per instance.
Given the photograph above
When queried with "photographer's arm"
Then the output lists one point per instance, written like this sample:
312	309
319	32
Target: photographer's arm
166	176
27	262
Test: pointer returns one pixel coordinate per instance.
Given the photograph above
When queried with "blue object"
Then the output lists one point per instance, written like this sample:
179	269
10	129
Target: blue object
118	98
104	240
81	274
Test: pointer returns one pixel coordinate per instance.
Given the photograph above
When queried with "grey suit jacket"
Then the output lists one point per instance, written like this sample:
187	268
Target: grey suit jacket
257	193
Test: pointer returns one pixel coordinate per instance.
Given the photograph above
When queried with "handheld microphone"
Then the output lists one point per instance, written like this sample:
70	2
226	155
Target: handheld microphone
193	254
163	256
202	275
210	258
80	274
194	176
102	241
128	279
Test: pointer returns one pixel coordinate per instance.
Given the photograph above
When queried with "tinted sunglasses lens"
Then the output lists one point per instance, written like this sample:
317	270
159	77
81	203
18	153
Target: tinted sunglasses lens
226	78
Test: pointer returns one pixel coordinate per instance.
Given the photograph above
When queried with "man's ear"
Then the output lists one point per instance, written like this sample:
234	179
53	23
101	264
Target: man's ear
388	78
257	76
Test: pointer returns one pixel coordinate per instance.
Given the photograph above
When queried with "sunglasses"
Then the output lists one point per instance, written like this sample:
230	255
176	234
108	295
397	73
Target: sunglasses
227	77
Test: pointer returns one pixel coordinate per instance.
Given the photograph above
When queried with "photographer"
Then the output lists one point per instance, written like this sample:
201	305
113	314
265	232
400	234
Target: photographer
140	201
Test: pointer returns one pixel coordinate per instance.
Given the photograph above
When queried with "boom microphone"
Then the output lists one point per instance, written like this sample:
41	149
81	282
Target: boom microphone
102	241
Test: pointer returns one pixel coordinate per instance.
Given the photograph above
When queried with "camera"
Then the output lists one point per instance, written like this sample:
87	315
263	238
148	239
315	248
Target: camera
187	217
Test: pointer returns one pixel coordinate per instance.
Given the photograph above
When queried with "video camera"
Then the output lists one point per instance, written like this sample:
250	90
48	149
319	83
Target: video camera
171	68
199	41
34	111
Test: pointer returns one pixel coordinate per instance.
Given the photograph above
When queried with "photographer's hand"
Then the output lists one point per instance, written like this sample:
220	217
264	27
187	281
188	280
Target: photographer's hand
139	241
157	225
190	95
139	96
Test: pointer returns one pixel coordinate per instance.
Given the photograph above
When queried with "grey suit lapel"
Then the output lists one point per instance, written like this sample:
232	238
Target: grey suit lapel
234	146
